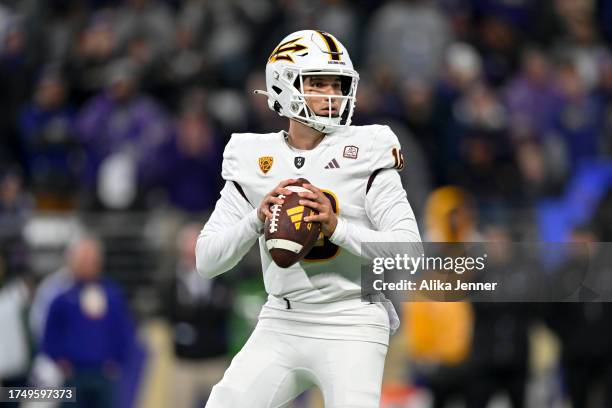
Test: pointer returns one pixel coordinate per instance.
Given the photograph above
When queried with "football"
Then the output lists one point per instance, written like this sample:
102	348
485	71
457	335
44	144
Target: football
288	237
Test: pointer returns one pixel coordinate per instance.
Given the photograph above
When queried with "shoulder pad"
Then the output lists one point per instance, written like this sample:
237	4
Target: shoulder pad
237	151
229	168
386	151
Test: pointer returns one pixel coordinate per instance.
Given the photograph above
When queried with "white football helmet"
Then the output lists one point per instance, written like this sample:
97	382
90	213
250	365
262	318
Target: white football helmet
305	53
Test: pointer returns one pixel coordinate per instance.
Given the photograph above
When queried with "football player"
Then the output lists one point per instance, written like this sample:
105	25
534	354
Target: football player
314	330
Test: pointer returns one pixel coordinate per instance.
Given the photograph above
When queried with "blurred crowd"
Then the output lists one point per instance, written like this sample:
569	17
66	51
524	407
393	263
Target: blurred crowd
503	98
123	106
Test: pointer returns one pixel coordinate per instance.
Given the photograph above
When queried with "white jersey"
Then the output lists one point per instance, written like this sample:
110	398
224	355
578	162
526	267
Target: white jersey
355	167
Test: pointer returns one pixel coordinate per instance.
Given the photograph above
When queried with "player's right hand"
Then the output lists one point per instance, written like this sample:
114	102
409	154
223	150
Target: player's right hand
263	211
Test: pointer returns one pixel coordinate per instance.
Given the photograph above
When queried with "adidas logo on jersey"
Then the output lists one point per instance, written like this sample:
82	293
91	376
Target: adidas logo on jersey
332	165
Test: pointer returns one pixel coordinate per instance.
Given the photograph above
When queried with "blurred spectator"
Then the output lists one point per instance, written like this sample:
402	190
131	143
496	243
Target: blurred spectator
576	119
145	31
579	42
144	28
15	204
185	65
226	26
14	347
15	211
44	371
462	70
187	166
95	46
438	333
47	134
450	216
16	67
531	97
421	141
498	43
53	285
485	163
417	97
499	359
90	312
119	128
584	328
199	312
58	22
408	37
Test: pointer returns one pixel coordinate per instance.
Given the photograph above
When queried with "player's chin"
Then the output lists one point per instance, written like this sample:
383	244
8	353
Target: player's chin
325	113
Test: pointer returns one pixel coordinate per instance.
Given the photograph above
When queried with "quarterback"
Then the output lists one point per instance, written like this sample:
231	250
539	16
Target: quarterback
314	330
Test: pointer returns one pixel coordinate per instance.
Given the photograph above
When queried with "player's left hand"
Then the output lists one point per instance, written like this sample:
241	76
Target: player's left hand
321	204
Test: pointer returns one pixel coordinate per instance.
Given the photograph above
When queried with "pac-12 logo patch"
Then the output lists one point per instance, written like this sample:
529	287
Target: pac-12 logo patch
299	161
265	163
350	152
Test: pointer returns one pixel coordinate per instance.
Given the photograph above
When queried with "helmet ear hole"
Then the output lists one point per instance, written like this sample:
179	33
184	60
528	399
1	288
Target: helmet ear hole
277	106
277	89
297	84
346	84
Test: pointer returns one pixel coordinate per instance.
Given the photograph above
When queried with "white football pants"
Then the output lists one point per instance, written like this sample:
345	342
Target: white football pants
274	368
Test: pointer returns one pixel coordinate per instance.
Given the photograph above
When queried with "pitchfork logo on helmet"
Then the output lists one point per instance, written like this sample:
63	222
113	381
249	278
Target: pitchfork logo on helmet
285	49
305	53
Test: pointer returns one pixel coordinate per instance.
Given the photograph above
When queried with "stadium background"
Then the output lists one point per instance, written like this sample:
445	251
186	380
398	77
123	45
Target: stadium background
114	114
